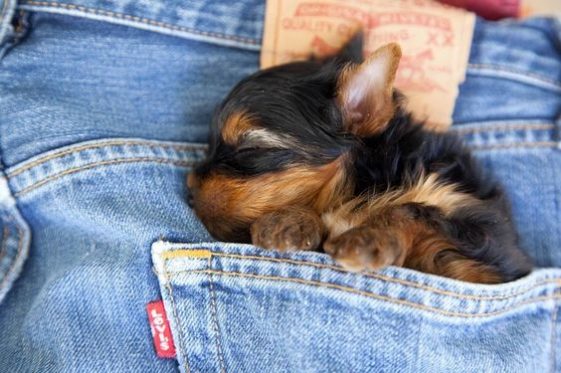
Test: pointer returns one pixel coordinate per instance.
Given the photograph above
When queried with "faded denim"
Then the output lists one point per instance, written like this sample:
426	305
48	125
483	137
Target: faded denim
104	108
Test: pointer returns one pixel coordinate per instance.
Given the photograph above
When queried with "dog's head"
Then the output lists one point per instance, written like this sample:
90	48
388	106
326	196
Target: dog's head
282	137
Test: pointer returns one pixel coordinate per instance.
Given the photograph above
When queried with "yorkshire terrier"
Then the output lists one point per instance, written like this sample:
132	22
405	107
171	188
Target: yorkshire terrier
322	155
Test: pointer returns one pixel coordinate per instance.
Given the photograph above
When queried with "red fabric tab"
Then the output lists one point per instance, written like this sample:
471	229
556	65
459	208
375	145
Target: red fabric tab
161	333
490	9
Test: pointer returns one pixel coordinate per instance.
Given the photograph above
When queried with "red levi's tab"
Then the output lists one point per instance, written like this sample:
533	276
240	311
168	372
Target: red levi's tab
161	332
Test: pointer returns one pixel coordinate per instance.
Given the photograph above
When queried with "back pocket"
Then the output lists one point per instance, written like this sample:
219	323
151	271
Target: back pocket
237	308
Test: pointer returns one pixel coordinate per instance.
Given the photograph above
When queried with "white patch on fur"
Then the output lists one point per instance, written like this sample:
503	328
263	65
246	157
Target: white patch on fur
263	138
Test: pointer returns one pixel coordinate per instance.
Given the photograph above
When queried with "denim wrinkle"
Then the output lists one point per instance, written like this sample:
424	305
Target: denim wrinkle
179	22
7	10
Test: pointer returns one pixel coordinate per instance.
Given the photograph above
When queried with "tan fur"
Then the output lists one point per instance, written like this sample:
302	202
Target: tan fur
427	191
337	189
421	246
345	217
376	109
471	271
428	250
291	228
226	203
236	126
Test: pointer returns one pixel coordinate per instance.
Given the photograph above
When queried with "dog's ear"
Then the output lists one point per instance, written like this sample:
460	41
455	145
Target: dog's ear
365	91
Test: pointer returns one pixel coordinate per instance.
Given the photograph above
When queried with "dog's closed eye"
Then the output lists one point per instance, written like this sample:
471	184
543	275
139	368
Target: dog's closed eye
248	149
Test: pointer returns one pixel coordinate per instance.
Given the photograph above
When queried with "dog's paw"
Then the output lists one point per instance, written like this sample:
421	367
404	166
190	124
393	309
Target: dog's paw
288	229
364	248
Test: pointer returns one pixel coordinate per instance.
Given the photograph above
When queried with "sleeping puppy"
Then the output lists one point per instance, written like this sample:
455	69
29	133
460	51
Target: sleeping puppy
322	155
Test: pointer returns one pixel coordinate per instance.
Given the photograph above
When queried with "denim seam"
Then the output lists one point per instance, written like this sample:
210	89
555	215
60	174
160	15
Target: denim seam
14	261
214	317
23	236
4	12
122	16
388	279
537	144
368	294
502	127
477	66
19	32
33	186
553	338
62	153
182	350
4	247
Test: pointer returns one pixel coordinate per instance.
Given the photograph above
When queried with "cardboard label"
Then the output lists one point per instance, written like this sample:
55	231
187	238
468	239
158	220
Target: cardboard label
161	332
435	40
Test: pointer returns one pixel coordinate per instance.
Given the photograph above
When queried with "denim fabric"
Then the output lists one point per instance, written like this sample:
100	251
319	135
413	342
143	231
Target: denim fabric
264	311
104	107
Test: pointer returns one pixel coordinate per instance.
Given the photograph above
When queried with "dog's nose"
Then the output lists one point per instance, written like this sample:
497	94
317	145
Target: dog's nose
189	198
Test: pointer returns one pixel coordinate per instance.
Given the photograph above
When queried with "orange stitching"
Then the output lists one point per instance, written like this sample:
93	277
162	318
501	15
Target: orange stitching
140	19
373	295
513	71
96	164
502	127
61	153
182	351
390	279
537	144
199	254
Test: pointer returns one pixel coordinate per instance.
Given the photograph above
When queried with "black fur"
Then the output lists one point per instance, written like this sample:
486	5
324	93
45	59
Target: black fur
295	100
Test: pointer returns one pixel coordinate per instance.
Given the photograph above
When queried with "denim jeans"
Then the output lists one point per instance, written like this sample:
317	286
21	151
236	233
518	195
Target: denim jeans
104	108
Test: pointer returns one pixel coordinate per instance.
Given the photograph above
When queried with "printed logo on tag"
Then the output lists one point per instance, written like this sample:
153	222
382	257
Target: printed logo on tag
435	40
161	333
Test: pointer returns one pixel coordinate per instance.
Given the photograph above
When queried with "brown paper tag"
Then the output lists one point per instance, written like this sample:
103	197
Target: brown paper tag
435	41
